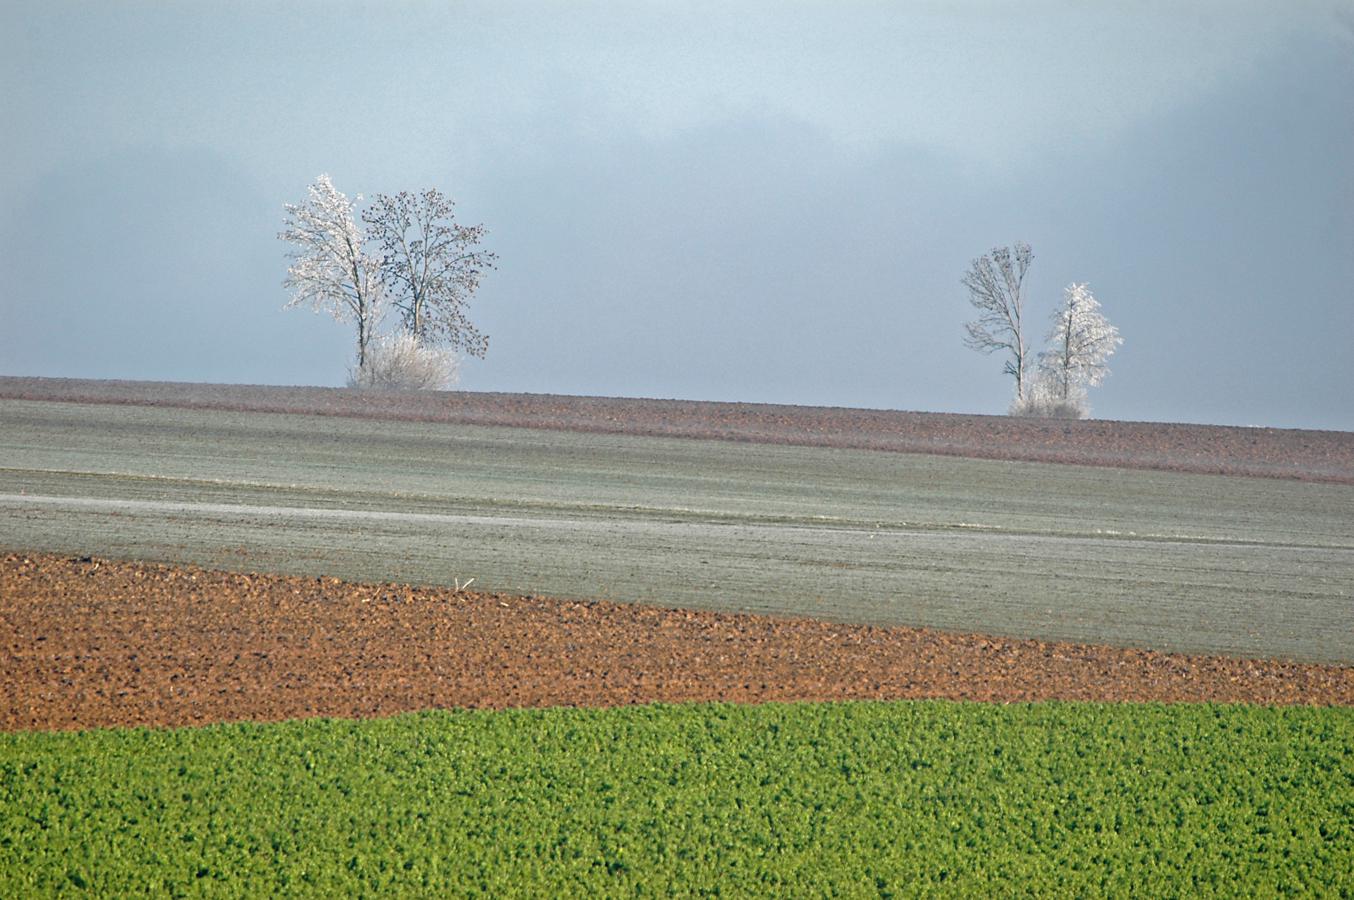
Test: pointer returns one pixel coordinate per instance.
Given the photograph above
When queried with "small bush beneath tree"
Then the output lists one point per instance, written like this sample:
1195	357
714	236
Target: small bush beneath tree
401	363
1043	400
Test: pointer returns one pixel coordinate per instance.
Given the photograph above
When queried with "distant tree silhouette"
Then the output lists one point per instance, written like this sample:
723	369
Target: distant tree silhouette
995	285
430	266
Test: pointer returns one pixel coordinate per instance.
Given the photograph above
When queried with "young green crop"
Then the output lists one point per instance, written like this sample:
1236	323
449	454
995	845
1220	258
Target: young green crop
851	799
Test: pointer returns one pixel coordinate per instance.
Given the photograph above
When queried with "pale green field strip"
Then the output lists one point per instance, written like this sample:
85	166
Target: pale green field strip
1177	562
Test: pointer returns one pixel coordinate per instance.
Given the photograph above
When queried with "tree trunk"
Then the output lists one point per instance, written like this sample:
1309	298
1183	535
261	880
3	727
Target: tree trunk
418	314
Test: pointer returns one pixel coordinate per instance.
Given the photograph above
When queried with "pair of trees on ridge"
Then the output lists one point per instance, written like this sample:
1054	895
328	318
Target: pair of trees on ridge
416	259
1077	345
412	257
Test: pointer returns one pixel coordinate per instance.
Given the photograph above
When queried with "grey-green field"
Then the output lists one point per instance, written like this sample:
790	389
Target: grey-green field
1191	563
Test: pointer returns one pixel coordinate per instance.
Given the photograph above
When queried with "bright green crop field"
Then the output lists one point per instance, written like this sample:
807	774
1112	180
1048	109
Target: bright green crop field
854	799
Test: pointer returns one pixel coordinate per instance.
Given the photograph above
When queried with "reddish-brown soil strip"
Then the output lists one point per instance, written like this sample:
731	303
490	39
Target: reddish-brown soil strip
1326	456
89	643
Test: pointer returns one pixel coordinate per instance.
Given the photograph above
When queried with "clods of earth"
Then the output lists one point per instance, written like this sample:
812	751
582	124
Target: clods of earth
88	642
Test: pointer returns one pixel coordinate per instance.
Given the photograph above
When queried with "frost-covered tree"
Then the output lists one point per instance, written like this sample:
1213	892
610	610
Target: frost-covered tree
430	266
995	285
1079	343
331	269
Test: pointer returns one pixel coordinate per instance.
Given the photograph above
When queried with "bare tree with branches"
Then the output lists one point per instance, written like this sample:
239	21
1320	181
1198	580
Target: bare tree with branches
330	268
995	285
430	266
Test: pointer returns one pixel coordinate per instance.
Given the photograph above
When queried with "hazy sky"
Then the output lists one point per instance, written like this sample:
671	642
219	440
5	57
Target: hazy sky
744	201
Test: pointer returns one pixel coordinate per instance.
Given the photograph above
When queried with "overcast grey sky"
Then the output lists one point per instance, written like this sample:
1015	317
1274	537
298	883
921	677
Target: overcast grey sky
744	201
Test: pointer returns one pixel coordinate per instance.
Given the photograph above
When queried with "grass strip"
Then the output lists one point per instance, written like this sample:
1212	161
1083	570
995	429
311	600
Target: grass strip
848	798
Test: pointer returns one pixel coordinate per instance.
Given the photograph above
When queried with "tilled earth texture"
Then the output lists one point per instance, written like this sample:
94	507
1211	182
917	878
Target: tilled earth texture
88	642
1323	456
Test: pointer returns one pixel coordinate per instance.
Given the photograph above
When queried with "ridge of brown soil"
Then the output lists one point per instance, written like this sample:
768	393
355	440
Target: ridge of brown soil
1325	456
89	642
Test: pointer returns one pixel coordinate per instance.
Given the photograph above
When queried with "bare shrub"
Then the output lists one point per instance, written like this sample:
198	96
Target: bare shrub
401	363
1044	399
1049	408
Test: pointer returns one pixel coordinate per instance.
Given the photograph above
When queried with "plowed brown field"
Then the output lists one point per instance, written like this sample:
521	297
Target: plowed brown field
90	643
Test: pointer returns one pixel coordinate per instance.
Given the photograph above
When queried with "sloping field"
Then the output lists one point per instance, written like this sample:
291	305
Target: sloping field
1268	452
1151	559
875	799
89	643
